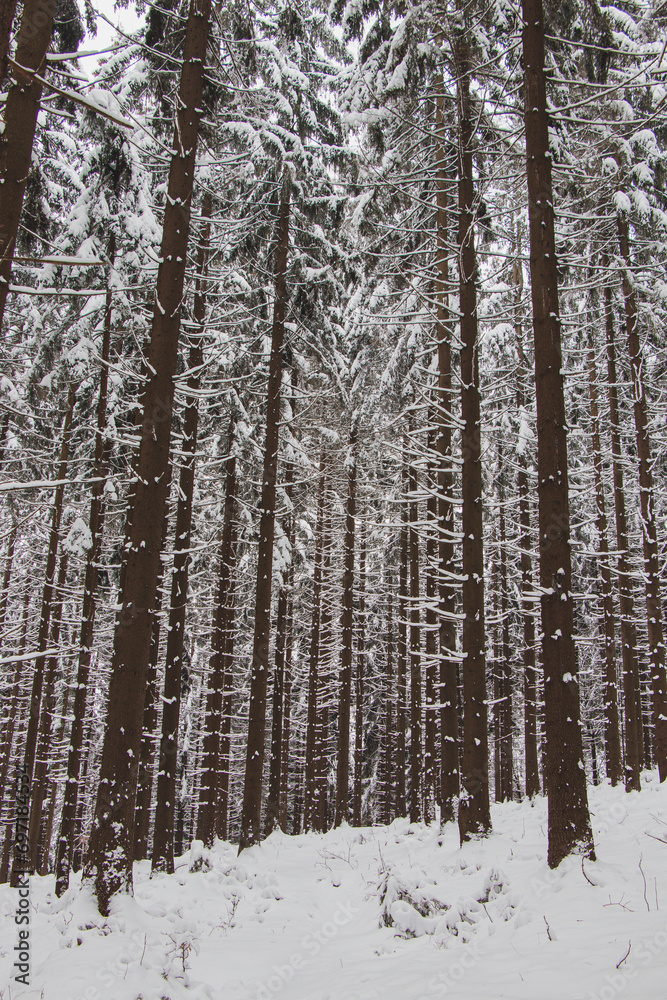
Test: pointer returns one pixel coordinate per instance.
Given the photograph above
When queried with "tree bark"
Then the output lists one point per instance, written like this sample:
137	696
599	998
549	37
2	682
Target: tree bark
163	838
108	865
474	813
359	688
416	726
347	623
612	737
310	811
402	661
210	778
21	110
569	821
65	842
251	829
47	602
650	530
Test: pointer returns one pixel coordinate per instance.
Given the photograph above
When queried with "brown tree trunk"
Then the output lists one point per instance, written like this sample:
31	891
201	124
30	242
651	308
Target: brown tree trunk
21	110
415	654
163	838
347	623
251	828
287	711
505	665
650	532
326	679
474	814
359	689
210	777
43	756
109	861
96	527
310	811
569	821
632	767
449	720
7	744
47	602
402	662
7	12
612	737
431	793
527	587
389	727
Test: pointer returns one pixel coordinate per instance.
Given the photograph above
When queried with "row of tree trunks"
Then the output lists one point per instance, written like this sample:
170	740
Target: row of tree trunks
35	706
357	791
109	861
65	841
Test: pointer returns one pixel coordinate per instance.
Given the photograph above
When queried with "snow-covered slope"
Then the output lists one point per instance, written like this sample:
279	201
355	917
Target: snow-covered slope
397	913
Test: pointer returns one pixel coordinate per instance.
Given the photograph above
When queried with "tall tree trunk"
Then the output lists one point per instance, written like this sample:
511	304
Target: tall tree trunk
569	821
7	744
43	756
505	665
527	587
326	679
474	812
47	602
632	767
612	737
251	829
449	719
210	778
163	838
21	110
109	861
650	530
310	811
347	623
389	698
402	661
287	711
415	654
65	842
431	793
359	688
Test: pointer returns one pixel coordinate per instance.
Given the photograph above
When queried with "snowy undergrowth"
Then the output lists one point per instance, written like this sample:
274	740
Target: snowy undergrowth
397	913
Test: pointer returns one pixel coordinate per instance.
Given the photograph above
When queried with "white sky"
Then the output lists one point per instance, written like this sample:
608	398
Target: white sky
125	18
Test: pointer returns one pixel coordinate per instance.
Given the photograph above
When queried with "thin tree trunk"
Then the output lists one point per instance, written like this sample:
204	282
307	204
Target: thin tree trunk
359	689
310	811
650	530
65	842
163	838
347	622
47	601
474	814
326	679
402	663
287	711
431	793
612	737
416	724
39	784
389	697
210	778
505	665
9	727
569	821
251	820
20	117
527	587
109	861
449	719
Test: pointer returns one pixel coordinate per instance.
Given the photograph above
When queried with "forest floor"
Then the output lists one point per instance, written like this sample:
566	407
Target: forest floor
384	913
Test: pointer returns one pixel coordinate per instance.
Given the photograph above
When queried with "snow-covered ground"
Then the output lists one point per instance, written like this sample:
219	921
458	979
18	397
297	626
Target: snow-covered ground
397	913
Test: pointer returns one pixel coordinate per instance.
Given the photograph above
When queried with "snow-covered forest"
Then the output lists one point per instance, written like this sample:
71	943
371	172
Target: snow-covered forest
333	496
